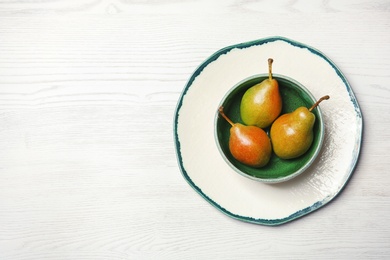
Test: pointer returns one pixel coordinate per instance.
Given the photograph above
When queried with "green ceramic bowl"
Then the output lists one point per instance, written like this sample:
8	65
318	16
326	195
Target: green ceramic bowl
277	170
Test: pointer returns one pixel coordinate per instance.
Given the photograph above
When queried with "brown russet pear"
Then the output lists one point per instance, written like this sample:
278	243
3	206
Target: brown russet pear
249	145
261	104
292	133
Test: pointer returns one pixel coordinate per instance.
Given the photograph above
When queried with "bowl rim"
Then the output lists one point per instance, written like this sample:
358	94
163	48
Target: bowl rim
297	172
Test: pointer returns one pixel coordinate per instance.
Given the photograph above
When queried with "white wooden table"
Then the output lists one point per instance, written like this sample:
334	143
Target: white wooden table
88	91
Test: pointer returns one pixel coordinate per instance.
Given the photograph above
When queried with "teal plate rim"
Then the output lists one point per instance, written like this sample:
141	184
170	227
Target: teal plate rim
301	212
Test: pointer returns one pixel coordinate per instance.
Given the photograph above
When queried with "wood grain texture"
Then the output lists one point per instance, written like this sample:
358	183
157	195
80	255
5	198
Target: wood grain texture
88	91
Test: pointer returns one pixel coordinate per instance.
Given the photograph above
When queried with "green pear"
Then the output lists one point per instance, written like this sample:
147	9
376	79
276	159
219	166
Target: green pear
292	133
249	145
261	104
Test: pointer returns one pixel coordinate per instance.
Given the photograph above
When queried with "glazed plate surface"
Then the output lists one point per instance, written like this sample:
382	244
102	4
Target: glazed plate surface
239	197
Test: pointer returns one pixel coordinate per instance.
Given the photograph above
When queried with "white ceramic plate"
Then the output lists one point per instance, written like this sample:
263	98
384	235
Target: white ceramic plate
206	171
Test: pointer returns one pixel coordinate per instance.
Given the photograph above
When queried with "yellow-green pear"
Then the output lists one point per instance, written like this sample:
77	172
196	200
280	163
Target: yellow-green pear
292	133
261	104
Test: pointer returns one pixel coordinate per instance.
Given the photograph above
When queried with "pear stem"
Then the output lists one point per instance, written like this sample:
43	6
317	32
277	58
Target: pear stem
318	102
270	68
224	116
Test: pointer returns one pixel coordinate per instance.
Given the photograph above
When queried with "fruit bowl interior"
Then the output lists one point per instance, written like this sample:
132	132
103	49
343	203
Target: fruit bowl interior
294	95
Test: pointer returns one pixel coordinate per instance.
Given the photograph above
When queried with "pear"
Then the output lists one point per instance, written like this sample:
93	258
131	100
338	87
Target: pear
249	145
261	104
292	133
